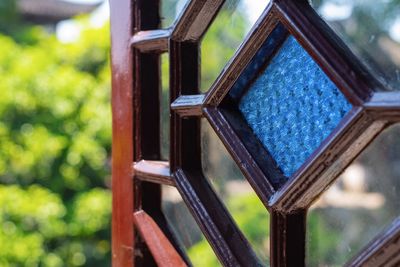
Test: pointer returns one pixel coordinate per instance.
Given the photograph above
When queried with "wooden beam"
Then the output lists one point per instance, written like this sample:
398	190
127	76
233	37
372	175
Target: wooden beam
188	105
153	171
122	143
195	20
160	247
155	41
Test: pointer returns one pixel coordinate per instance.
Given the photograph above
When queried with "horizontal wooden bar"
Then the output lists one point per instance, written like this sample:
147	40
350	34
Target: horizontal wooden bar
188	105
160	247
384	100
382	251
195	19
151	41
384	106
153	171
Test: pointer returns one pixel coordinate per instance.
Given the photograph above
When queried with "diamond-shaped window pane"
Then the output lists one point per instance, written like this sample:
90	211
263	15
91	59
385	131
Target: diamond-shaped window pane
358	206
292	105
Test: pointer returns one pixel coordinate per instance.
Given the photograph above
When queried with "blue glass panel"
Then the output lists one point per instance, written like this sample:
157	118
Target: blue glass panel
292	106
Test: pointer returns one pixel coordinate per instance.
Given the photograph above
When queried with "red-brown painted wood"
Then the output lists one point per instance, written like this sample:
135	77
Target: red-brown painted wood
162	250
122	143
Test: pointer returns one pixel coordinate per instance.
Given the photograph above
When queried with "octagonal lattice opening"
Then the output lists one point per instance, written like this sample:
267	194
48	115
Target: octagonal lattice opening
287	101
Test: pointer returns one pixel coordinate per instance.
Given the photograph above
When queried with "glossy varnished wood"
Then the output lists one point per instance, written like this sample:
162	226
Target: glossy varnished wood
155	41
188	105
195	20
122	143
162	250
146	121
184	80
153	171
384	106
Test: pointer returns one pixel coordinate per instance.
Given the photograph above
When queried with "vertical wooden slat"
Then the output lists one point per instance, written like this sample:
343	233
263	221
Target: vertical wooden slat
184	79
122	148
288	233
147	119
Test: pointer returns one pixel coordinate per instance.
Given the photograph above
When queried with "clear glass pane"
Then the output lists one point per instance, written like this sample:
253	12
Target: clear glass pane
164	107
170	10
224	36
361	204
235	192
371	28
186	229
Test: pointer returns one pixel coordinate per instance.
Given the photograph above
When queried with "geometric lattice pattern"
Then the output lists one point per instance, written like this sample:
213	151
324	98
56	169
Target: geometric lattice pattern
292	106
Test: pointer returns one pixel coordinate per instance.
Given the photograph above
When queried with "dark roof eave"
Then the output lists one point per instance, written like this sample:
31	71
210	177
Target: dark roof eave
51	11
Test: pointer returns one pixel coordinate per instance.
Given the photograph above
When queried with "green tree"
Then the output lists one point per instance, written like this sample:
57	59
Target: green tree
55	134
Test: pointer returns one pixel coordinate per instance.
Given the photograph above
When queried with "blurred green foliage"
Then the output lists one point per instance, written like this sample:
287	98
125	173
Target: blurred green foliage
221	40
55	134
251	218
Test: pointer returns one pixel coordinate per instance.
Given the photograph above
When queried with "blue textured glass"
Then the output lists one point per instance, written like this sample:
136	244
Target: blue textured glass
292	106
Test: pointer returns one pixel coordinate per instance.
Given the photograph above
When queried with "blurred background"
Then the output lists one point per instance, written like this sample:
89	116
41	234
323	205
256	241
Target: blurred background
55	136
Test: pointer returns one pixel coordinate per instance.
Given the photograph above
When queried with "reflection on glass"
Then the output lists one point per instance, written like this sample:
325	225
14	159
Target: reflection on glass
225	34
361	204
186	229
372	31
235	192
164	107
170	10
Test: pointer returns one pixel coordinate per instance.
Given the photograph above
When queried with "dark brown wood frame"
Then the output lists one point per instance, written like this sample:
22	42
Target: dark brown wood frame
138	170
